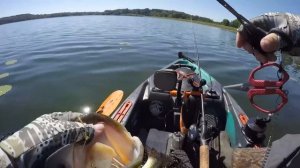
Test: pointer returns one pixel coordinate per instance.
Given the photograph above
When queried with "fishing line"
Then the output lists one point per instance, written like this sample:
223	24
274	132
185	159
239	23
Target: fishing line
195	41
280	76
196	46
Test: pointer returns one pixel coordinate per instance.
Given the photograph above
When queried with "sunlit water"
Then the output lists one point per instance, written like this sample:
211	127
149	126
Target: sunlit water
67	64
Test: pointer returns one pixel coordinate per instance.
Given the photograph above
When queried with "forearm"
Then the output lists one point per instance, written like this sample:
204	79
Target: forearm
30	146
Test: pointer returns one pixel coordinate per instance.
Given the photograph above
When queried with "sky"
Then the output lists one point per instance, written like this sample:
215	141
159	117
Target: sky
205	8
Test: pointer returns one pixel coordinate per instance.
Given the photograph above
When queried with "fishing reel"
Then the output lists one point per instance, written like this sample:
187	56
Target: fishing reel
254	130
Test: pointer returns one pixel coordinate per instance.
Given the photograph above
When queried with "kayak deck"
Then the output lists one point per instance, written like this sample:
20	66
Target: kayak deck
152	113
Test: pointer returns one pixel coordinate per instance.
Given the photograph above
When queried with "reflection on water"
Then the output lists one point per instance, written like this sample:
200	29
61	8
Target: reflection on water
292	65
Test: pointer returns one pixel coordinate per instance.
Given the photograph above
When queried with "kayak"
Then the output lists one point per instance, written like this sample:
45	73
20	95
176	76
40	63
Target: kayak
180	108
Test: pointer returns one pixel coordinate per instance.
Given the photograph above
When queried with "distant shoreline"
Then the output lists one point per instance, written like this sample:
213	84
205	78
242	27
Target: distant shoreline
229	28
158	13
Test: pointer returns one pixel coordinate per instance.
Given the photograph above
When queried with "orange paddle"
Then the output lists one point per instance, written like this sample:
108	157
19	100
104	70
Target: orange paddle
110	103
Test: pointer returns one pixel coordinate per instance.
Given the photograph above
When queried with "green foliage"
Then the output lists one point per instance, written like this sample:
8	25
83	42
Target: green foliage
225	22
127	12
235	23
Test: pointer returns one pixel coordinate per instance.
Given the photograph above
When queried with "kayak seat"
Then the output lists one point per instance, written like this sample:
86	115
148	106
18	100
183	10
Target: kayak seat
165	80
161	101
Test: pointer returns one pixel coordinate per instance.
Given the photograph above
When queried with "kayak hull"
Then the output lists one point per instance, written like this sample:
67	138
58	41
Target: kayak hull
153	114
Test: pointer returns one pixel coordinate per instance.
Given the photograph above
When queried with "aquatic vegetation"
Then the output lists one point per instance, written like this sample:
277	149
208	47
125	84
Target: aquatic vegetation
4	89
11	62
4	75
124	43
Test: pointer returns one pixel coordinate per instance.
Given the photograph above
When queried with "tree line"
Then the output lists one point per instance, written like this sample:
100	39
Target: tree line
126	12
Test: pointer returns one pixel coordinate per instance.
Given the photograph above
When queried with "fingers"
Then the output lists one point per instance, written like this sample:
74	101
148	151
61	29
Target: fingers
259	57
99	127
98	133
248	48
240	40
270	43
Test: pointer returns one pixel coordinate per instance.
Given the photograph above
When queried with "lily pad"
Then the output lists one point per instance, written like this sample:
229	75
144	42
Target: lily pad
4	89
4	75
11	62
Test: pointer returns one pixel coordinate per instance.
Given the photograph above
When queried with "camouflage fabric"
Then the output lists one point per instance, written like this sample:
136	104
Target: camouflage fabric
30	146
286	25
4	160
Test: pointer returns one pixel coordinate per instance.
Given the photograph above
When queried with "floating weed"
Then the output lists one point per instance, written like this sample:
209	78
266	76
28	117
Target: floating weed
4	89
4	75
11	62
124	43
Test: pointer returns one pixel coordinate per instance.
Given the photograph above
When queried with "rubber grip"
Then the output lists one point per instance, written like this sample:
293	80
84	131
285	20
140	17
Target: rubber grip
267	83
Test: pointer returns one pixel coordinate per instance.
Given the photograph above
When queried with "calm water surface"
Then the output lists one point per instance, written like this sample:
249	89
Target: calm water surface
65	64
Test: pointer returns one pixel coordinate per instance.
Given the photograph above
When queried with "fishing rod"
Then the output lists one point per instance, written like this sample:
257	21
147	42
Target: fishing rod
204	148
253	33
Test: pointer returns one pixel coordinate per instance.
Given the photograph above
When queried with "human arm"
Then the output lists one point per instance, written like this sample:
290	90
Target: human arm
30	146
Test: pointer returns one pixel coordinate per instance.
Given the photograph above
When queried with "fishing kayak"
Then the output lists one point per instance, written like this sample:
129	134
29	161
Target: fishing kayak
181	108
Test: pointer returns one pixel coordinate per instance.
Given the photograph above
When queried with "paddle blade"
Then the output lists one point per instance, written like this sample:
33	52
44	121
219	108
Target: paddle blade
110	103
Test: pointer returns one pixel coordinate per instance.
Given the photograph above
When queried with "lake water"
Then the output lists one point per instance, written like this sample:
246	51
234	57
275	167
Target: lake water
65	64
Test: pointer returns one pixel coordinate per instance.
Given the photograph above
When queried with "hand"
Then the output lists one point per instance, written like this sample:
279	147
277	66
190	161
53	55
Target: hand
269	44
283	34
46	134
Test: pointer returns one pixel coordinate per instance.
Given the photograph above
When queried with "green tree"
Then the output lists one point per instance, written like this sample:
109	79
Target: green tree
235	23
225	22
